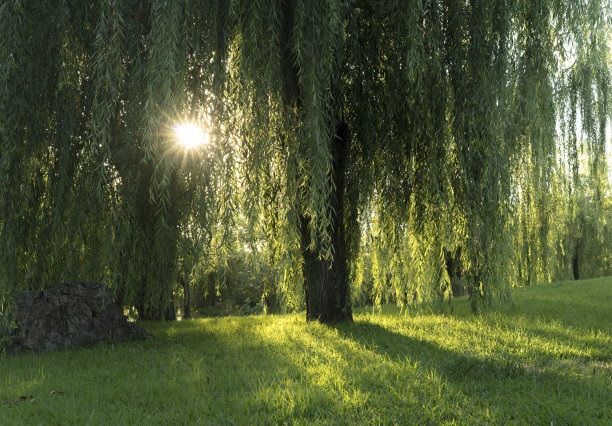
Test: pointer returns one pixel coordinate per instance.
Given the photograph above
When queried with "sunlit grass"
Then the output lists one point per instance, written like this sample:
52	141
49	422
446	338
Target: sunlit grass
546	360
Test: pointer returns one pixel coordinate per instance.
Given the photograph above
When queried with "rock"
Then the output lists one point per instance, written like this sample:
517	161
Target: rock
69	315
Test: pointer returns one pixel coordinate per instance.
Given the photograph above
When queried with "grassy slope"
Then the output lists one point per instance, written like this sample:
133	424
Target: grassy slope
546	360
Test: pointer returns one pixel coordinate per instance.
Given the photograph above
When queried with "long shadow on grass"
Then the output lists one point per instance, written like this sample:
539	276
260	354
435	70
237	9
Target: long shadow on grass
454	365
272	371
570	342
593	315
570	304
474	375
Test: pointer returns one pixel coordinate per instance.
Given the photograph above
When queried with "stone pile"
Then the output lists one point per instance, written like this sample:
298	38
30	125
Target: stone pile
69	315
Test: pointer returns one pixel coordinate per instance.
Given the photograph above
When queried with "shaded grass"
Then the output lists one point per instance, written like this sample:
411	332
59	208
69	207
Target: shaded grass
547	359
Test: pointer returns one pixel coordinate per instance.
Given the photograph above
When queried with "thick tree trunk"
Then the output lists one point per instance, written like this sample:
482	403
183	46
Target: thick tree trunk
326	282
170	314
455	271
156	250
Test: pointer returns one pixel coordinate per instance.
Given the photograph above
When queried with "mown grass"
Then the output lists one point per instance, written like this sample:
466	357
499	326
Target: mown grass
547	360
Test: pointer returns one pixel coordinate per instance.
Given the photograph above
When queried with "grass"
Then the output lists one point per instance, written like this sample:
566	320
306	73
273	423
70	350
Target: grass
547	360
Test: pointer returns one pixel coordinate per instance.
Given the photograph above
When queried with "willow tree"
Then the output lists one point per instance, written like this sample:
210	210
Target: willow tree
421	114
95	186
324	115
453	111
561	198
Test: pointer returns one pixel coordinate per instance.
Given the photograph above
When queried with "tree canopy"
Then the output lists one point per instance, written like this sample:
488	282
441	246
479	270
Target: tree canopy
338	129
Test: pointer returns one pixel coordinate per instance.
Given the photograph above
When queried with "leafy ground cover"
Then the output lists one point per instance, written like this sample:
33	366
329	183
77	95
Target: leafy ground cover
545	360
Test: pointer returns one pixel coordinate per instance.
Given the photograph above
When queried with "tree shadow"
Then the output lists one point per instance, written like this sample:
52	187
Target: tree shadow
495	380
396	346
284	370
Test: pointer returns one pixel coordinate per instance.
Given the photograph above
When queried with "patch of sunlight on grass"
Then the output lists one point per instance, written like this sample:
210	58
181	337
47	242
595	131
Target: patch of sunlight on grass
547	359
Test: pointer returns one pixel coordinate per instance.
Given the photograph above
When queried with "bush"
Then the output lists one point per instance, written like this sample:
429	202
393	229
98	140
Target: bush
241	288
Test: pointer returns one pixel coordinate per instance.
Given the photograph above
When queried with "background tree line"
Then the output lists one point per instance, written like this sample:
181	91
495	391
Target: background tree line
357	147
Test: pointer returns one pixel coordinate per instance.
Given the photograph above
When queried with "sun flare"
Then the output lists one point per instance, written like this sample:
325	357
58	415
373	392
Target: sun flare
190	135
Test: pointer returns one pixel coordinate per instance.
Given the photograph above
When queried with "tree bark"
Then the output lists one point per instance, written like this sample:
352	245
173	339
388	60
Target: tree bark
326	281
455	271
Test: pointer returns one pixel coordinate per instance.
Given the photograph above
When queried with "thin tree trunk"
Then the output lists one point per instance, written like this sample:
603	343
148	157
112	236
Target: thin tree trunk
575	264
186	299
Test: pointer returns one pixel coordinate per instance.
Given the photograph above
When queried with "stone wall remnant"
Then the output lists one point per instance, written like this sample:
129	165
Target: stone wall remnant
68	315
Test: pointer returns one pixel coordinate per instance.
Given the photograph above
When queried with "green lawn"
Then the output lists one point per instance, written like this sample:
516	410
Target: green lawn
547	360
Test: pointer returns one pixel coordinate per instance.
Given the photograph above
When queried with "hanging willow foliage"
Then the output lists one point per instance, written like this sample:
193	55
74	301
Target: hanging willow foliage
95	186
437	126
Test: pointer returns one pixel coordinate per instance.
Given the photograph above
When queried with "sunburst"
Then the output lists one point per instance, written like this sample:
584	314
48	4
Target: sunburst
190	135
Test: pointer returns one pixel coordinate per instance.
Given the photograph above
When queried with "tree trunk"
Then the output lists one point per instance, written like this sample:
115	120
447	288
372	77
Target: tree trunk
187	302
326	282
186	298
575	263
157	250
455	271
170	314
